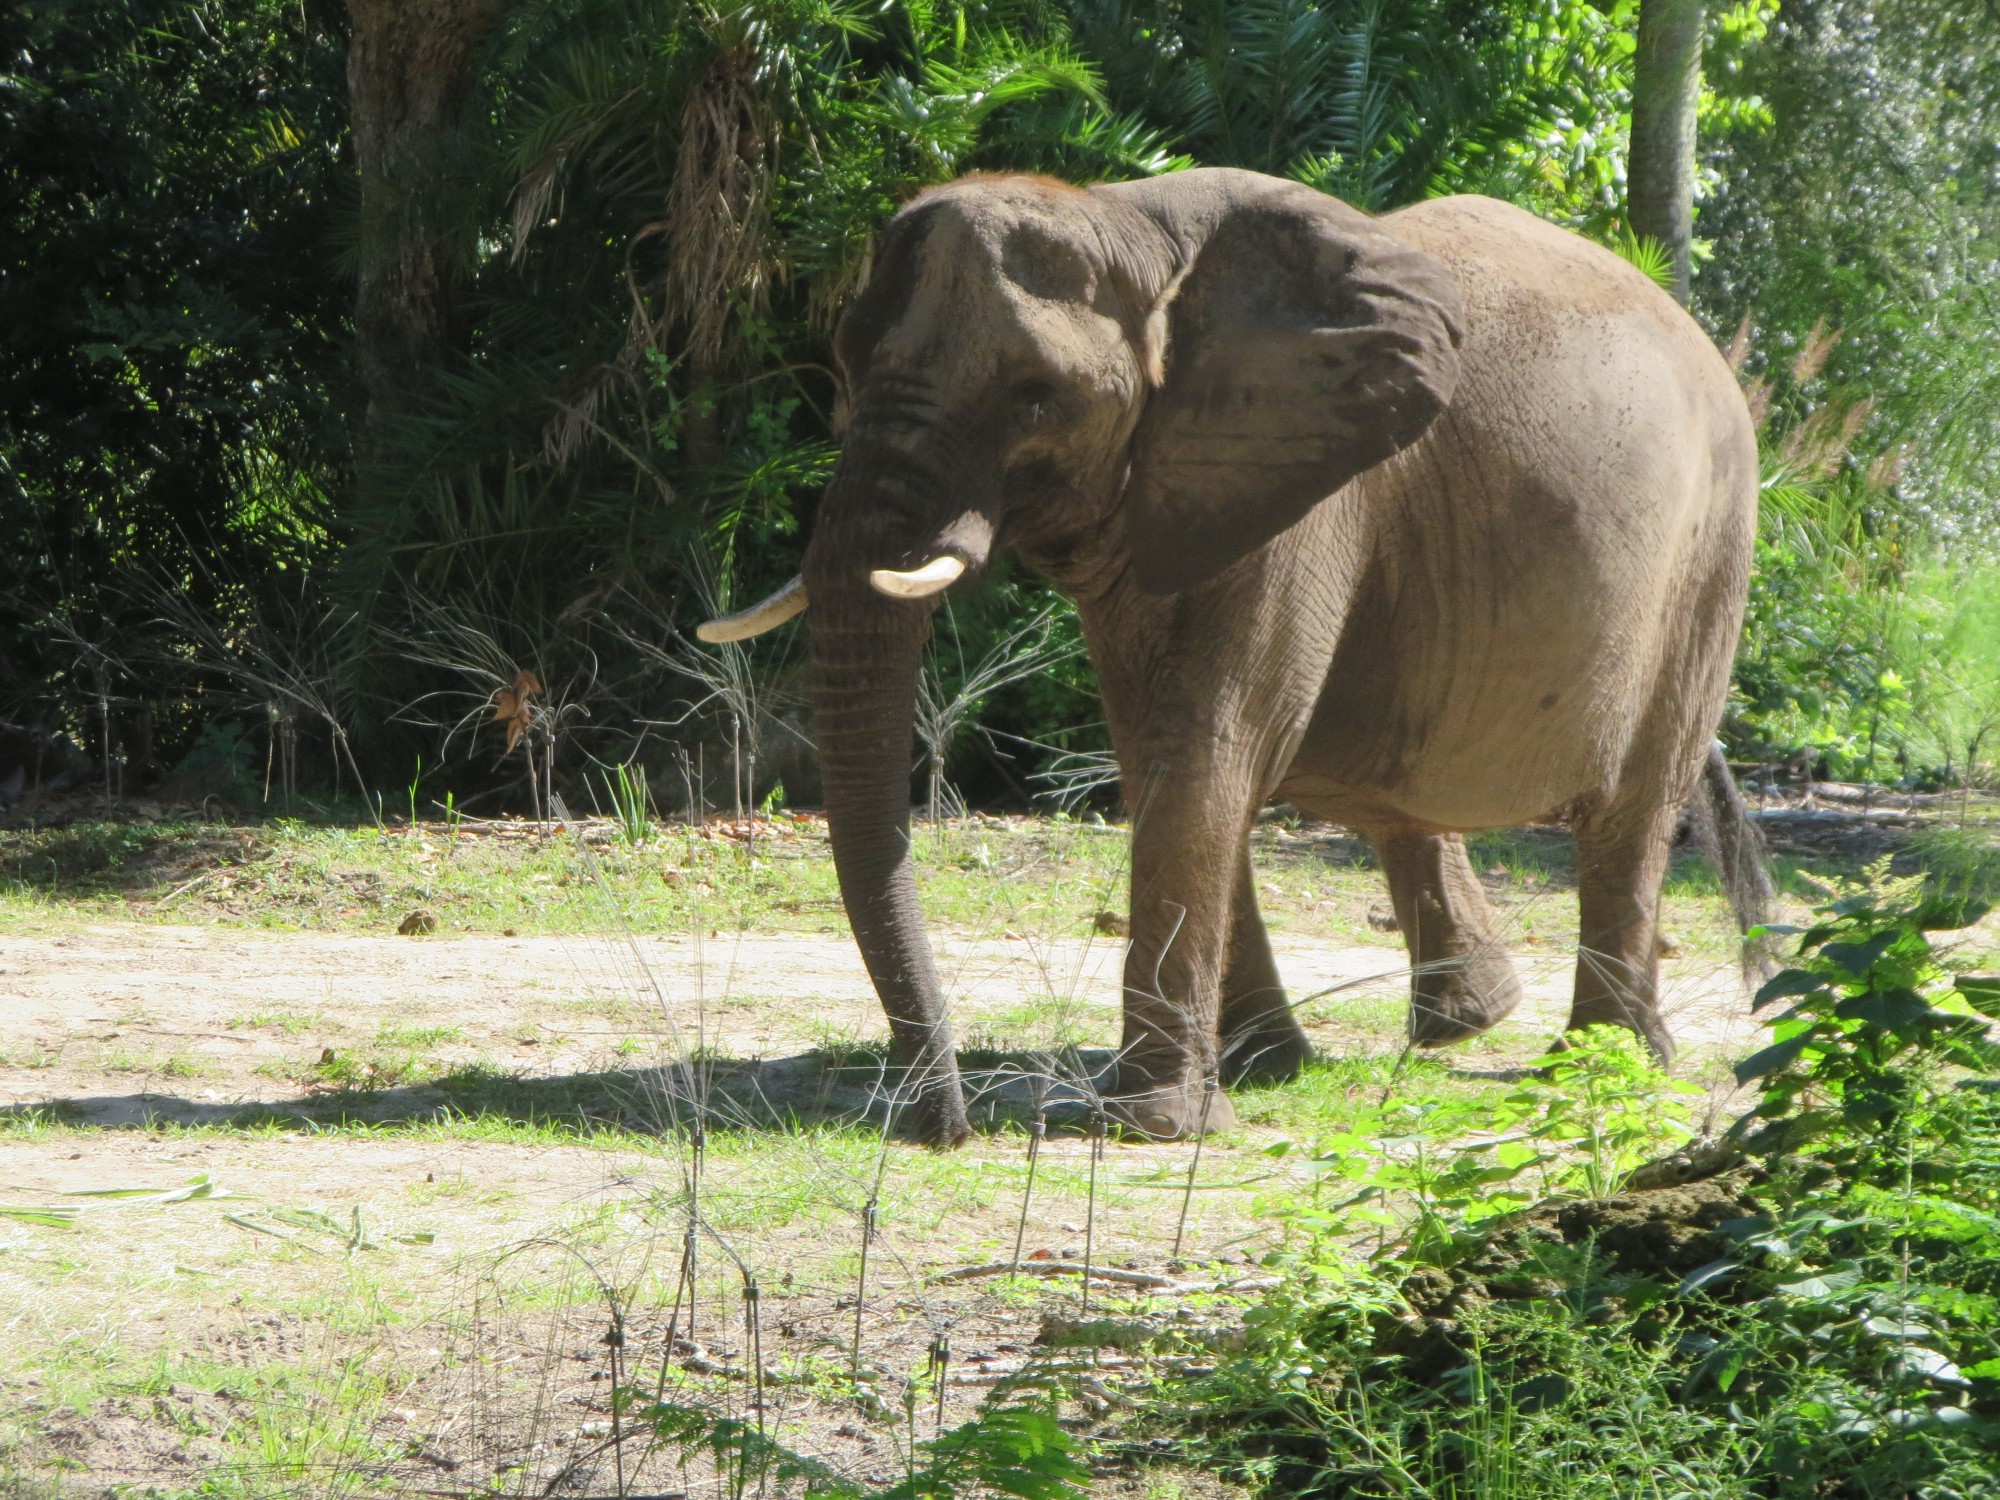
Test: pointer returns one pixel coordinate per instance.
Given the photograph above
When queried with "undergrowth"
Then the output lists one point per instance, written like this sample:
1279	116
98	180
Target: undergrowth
1813	1312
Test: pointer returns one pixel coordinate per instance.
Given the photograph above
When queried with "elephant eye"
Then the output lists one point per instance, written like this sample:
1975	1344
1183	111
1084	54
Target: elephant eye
1034	398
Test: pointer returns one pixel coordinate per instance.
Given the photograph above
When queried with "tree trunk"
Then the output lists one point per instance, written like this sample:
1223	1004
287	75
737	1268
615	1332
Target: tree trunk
410	71
1666	88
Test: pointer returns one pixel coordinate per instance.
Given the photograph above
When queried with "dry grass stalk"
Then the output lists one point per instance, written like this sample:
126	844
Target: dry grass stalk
1757	396
1819	444
1814	353
1739	346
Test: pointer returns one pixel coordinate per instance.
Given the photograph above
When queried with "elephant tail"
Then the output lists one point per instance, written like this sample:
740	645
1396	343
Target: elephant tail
1724	833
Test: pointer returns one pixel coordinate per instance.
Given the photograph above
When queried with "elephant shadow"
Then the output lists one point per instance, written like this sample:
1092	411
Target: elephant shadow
844	1087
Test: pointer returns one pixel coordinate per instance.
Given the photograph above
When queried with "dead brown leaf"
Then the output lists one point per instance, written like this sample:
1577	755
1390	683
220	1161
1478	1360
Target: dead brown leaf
513	705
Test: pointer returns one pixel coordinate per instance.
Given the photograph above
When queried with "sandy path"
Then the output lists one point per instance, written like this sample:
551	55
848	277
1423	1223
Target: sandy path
120	1021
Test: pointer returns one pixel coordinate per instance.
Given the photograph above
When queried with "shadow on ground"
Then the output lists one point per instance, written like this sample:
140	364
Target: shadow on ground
821	1088
126	859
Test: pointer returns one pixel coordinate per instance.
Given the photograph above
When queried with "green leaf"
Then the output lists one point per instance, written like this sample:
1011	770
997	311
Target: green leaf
197	1186
54	1218
1929	1365
1649	257
1898	1011
1772	1059
1701	1276
1840	1277
1858	958
1949	913
1981	992
1729	1366
1785	983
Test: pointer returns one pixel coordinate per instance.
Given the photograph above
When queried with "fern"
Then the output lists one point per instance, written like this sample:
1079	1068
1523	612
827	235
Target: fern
1649	256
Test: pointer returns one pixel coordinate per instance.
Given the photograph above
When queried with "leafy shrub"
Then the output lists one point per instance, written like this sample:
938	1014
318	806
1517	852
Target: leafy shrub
1011	1447
1824	1324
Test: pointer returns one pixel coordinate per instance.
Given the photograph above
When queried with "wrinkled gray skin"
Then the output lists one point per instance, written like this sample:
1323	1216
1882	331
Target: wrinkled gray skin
1425	524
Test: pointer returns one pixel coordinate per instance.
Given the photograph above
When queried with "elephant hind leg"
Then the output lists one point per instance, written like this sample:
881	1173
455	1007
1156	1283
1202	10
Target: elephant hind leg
1261	1038
1461	978
1621	858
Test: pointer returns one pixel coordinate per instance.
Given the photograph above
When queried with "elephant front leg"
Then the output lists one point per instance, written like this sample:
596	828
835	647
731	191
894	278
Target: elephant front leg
1262	1041
1461	979
1167	1082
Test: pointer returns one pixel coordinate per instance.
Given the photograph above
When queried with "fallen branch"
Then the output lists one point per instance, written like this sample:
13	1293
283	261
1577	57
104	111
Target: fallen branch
1162	1286
1005	1369
1248	1284
183	889
697	1359
1053	1268
1107	1395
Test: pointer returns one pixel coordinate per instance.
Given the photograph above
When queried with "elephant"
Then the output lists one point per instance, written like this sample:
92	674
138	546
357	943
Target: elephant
1425	523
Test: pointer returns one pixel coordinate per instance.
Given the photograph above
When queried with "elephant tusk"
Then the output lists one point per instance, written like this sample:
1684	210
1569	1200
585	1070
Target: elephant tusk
767	614
933	577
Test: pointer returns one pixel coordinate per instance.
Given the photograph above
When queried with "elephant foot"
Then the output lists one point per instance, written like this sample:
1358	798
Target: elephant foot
931	1112
1170	1112
1459	997
1271	1050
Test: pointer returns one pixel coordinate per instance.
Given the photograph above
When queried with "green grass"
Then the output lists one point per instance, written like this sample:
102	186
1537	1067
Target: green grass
291	875
1037	878
1044	878
523	1176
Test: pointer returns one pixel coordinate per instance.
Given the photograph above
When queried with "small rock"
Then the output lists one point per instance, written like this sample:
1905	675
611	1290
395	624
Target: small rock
1669	945
419	923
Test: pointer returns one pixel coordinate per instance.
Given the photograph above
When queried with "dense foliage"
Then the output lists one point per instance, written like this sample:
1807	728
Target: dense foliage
1854	230
1817	1320
658	208
175	388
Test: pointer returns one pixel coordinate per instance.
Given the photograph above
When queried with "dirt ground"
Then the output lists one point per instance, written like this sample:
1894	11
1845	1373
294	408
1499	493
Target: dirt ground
385	1197
121	1024
468	1273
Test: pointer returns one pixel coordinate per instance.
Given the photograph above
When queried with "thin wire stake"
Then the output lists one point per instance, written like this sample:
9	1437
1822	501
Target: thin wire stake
1194	1166
681	1283
1036	1133
753	1331
690	1258
940	1361
614	1340
691	1254
861	1281
1090	1203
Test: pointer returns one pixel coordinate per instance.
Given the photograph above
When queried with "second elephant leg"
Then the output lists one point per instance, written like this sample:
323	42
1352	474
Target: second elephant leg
1461	979
1261	1038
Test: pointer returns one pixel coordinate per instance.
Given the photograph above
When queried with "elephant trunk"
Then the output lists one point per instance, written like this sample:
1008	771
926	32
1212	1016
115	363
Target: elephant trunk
866	653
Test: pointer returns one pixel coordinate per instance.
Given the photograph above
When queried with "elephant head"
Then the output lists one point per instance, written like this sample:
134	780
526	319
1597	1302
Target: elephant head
1140	382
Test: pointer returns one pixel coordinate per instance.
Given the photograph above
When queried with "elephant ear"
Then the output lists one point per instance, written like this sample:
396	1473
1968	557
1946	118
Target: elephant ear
1304	345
